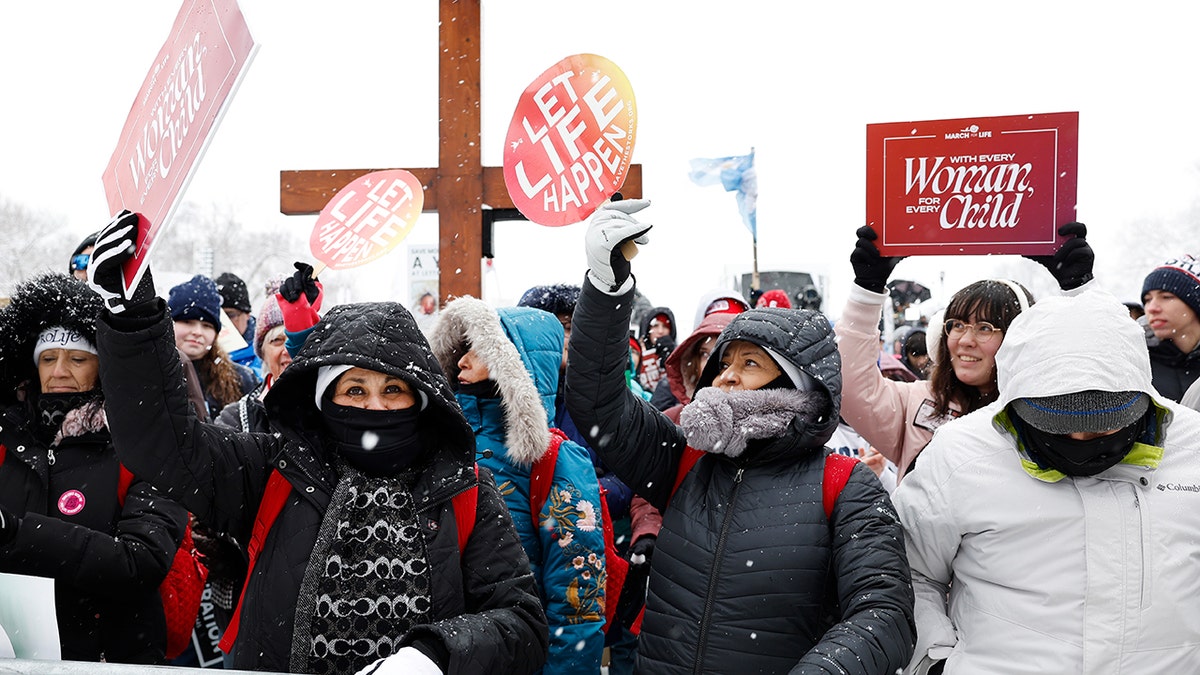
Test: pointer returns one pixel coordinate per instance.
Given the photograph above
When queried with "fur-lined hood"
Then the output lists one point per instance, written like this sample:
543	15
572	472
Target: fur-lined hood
47	300
522	349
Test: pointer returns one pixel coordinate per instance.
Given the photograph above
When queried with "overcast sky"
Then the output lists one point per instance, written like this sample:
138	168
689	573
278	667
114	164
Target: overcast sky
353	84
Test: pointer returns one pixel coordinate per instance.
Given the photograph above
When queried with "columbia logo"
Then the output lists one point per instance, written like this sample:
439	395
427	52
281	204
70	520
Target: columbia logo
1178	487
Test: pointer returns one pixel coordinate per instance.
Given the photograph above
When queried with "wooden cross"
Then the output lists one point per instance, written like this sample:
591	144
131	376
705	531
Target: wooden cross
460	186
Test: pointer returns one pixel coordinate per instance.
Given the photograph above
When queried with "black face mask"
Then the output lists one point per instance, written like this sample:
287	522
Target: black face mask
482	389
53	408
1082	458
376	442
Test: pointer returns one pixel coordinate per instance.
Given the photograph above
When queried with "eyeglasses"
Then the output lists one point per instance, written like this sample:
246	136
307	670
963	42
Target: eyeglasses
983	330
80	262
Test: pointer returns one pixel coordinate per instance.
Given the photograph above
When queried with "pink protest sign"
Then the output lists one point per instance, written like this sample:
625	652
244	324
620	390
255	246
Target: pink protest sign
181	101
570	141
972	186
367	218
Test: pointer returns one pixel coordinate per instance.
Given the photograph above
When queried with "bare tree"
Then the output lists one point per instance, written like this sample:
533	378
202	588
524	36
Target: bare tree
33	243
214	240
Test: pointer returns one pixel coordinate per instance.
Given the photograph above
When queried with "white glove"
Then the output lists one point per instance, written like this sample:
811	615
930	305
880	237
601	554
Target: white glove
611	226
407	661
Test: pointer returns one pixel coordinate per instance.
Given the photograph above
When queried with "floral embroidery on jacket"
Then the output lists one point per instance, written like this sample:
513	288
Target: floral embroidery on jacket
564	514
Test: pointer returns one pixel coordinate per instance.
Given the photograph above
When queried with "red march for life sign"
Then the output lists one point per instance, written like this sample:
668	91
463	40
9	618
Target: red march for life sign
570	141
1000	185
181	101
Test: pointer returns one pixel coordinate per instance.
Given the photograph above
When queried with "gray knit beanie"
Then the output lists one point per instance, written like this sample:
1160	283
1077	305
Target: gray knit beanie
1082	411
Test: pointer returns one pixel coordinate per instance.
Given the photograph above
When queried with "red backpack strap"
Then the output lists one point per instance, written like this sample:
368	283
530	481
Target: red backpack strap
273	499
3	452
837	472
541	475
464	505
616	564
686	462
124	480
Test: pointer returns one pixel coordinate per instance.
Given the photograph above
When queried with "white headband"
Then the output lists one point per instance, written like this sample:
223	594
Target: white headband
327	375
1022	300
58	337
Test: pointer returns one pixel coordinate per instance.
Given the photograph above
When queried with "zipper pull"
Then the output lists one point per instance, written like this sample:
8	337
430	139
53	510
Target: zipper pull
738	478
50	456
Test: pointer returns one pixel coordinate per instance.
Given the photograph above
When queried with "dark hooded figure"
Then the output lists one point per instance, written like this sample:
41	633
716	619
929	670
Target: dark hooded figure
748	574
363	560
60	512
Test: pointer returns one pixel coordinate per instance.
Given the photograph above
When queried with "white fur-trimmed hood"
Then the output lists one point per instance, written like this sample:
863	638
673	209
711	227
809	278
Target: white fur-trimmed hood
470	321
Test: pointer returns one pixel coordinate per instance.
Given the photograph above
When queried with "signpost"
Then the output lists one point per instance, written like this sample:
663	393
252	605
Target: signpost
972	186
182	99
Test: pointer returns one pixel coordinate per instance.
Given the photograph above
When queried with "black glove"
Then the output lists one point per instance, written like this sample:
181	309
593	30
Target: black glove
302	281
663	347
871	270
1071	264
9	524
115	244
642	550
755	294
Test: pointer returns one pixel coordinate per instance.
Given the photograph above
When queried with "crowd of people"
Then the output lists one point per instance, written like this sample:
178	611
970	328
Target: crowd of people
579	484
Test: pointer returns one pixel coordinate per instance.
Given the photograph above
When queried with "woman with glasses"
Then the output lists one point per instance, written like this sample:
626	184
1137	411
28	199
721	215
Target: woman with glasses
899	418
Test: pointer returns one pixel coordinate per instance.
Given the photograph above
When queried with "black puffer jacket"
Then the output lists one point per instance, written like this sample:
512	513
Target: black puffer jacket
748	575
487	617
1172	370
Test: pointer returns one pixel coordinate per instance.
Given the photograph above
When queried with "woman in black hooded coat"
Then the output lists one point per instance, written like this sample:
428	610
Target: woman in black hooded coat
60	515
748	574
363	560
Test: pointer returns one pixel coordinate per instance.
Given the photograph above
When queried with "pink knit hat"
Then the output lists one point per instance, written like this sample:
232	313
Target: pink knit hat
269	315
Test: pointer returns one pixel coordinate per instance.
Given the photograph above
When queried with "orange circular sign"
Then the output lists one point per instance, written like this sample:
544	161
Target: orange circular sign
367	218
570	141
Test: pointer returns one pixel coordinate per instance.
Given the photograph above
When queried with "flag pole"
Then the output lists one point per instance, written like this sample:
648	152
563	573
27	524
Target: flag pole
754	276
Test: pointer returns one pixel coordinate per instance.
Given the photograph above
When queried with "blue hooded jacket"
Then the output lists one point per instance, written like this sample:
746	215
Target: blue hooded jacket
522	349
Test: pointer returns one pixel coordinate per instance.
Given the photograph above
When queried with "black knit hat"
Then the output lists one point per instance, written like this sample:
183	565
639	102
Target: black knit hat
74	263
197	298
1082	411
555	298
1178	276
233	292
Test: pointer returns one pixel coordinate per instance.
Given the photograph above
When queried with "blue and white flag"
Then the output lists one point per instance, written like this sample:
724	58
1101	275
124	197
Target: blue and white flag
732	173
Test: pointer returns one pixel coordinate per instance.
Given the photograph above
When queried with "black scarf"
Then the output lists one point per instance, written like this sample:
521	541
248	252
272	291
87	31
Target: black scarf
376	442
1080	458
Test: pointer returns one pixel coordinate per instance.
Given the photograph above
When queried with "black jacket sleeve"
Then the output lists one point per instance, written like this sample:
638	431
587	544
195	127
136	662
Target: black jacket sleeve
504	628
213	471
148	533
638	443
877	630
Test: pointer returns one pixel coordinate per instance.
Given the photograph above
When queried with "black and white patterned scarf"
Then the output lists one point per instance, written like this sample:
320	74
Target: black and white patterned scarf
368	579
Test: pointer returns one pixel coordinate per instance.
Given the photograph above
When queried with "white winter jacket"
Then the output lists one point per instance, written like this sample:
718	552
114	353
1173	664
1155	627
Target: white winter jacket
1019	569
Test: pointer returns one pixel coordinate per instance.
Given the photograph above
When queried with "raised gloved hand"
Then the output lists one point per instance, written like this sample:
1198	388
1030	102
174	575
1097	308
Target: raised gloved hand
300	296
115	244
1071	264
9	524
613	225
871	269
642	550
406	661
663	346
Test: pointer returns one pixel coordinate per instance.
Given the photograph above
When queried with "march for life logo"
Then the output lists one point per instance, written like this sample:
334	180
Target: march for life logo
367	218
981	185
570	141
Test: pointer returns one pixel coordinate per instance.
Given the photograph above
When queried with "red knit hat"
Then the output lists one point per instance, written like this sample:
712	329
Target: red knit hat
774	298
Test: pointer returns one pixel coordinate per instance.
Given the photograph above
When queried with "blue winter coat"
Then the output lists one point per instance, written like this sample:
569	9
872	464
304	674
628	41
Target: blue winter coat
522	348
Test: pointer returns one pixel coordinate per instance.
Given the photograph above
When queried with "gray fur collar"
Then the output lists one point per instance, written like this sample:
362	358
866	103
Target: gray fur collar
467	320
709	420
